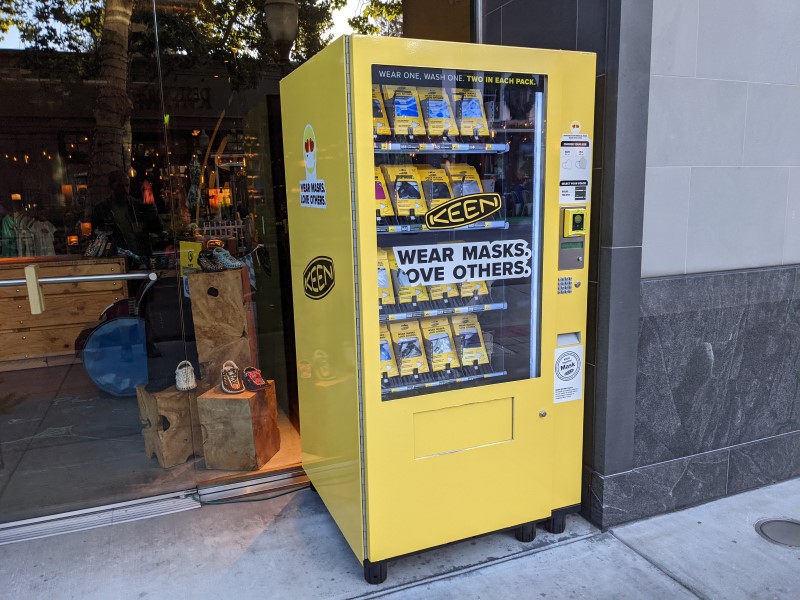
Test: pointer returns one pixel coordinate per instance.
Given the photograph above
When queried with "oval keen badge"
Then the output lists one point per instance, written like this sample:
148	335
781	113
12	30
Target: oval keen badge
319	277
463	211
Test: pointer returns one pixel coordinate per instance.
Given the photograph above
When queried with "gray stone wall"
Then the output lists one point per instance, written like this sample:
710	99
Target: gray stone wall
718	392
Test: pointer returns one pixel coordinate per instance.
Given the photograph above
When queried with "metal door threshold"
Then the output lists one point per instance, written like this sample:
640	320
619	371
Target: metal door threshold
90	518
144	508
274	482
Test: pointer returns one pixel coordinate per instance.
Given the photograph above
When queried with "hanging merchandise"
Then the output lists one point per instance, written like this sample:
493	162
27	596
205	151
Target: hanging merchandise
147	193
193	197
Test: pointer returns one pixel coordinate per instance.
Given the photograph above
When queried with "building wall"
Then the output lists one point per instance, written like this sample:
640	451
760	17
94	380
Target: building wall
447	20
619	32
723	152
717	408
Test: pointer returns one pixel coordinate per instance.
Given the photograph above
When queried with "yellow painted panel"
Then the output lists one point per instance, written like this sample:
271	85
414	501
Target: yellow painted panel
412	503
481	424
491	460
317	164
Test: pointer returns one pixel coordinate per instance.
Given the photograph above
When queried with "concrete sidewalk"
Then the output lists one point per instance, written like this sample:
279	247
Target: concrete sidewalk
289	547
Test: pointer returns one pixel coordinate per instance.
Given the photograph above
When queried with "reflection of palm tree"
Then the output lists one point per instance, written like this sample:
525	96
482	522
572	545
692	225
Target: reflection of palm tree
194	180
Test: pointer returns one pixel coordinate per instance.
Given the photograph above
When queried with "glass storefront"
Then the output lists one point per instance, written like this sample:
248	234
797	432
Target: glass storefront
151	182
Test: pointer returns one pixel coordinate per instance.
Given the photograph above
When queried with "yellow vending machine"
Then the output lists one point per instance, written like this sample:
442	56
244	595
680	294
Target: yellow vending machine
438	200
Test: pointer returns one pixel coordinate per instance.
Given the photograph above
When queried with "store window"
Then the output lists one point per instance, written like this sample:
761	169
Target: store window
150	181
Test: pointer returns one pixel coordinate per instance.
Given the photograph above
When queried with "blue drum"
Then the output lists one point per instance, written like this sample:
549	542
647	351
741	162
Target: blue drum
115	356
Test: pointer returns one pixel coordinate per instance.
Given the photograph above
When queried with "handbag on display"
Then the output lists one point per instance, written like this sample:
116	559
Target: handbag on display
184	377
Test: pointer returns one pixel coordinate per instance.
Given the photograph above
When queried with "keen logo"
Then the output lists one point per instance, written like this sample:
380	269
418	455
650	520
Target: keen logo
319	277
463	211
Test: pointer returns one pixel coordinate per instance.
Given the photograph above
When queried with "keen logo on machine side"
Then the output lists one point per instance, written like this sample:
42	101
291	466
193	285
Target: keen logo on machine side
319	277
463	211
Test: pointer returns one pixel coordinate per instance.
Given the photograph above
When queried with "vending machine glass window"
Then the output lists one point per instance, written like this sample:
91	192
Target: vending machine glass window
460	234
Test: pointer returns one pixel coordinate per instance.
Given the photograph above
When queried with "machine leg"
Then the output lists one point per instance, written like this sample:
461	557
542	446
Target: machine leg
375	572
526	533
556	524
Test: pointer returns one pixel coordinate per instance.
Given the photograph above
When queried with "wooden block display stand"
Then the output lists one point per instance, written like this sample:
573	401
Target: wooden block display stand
172	428
240	431
222	326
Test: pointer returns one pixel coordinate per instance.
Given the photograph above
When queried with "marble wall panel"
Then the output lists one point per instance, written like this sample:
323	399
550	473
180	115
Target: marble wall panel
719	357
656	489
763	462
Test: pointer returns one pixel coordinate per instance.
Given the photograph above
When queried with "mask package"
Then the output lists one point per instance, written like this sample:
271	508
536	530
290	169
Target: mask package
407	293
383	204
464	180
438	336
439	117
469	341
380	123
405	190
388	362
470	115
409	349
385	287
435	185
405	110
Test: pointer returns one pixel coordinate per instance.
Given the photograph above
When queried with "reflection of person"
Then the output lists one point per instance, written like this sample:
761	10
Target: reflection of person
129	220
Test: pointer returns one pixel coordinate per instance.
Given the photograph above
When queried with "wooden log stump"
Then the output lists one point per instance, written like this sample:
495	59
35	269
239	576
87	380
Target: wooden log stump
222	326
240	431
172	427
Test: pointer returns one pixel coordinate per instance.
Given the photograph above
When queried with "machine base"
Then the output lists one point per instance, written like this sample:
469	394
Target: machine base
558	519
526	533
375	572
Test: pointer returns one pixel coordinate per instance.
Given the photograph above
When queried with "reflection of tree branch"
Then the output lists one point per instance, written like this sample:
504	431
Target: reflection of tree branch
236	8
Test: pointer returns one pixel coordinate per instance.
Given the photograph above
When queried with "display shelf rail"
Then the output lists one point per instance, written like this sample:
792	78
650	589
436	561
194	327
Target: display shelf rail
440	148
430	384
436	312
418	227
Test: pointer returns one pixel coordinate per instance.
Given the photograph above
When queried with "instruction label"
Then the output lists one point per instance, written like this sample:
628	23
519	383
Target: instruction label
576	169
312	194
568	374
455	263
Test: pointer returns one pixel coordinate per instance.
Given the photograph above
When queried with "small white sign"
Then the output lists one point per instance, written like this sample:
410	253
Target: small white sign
576	169
312	194
455	263
568	374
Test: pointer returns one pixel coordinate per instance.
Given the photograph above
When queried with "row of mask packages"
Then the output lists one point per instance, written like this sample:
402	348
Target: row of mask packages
433	345
413	190
418	111
395	288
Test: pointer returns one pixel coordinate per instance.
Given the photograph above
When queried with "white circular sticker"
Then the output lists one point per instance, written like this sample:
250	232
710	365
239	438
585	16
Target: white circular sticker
568	366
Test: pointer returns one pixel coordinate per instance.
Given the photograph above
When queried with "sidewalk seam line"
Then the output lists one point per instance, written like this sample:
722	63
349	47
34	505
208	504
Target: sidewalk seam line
470	568
660	568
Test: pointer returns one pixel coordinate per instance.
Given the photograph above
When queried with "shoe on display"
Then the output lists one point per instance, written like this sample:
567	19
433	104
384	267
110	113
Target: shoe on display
225	258
253	380
231	381
208	262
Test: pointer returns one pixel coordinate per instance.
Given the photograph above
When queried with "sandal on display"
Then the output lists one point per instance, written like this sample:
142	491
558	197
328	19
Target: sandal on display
231	382
208	262
253	380
226	259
